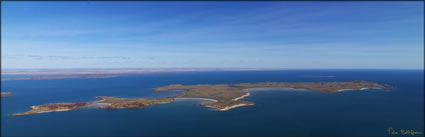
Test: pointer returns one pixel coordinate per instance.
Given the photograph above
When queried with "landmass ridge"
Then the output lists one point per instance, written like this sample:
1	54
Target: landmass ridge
223	97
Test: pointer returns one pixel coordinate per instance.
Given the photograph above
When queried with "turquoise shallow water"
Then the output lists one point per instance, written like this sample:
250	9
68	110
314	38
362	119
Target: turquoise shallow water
279	112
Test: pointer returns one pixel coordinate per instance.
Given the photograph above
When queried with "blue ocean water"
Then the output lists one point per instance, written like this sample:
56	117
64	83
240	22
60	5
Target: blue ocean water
277	112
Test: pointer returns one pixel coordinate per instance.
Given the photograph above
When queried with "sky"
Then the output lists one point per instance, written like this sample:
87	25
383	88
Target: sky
287	35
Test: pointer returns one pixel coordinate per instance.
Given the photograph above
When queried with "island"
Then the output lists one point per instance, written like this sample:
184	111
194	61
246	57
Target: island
228	96
223	96
104	103
6	94
66	106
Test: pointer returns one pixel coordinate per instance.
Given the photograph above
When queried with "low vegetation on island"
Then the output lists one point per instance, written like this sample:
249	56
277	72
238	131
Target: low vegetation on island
66	106
104	103
224	96
124	103
227	95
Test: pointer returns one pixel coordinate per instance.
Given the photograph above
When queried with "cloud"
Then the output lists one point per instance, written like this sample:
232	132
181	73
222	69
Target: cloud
58	57
104	57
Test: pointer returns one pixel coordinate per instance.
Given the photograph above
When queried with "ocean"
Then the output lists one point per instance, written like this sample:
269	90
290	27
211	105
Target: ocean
278	112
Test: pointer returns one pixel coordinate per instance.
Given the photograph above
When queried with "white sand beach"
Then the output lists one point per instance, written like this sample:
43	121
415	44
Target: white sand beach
353	89
234	106
247	94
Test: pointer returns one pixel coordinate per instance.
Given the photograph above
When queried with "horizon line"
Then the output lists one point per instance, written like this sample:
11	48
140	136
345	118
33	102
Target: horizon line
215	68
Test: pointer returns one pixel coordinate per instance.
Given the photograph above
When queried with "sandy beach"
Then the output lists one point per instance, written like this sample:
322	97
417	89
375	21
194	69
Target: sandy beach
273	88
54	110
247	94
230	107
352	89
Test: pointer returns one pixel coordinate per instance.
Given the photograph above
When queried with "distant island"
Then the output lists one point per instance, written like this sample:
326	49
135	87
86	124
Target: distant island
223	96
58	77
43	74
6	94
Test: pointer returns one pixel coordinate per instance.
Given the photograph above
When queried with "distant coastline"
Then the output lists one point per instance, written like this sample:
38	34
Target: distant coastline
58	77
64	73
44	74
118	71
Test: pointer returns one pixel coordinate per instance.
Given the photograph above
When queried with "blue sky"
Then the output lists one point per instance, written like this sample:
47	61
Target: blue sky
312	35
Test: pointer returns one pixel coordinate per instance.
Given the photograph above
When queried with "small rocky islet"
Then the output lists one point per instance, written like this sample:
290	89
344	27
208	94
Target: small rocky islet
6	94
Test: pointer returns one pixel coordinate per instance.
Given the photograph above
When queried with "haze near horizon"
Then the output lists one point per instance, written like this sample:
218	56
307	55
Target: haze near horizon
284	35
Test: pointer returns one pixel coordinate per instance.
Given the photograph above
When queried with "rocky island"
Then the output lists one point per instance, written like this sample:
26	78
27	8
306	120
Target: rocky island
6	94
104	103
53	107
224	96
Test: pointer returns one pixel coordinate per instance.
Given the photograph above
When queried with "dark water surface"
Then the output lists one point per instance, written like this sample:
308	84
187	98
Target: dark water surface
279	112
